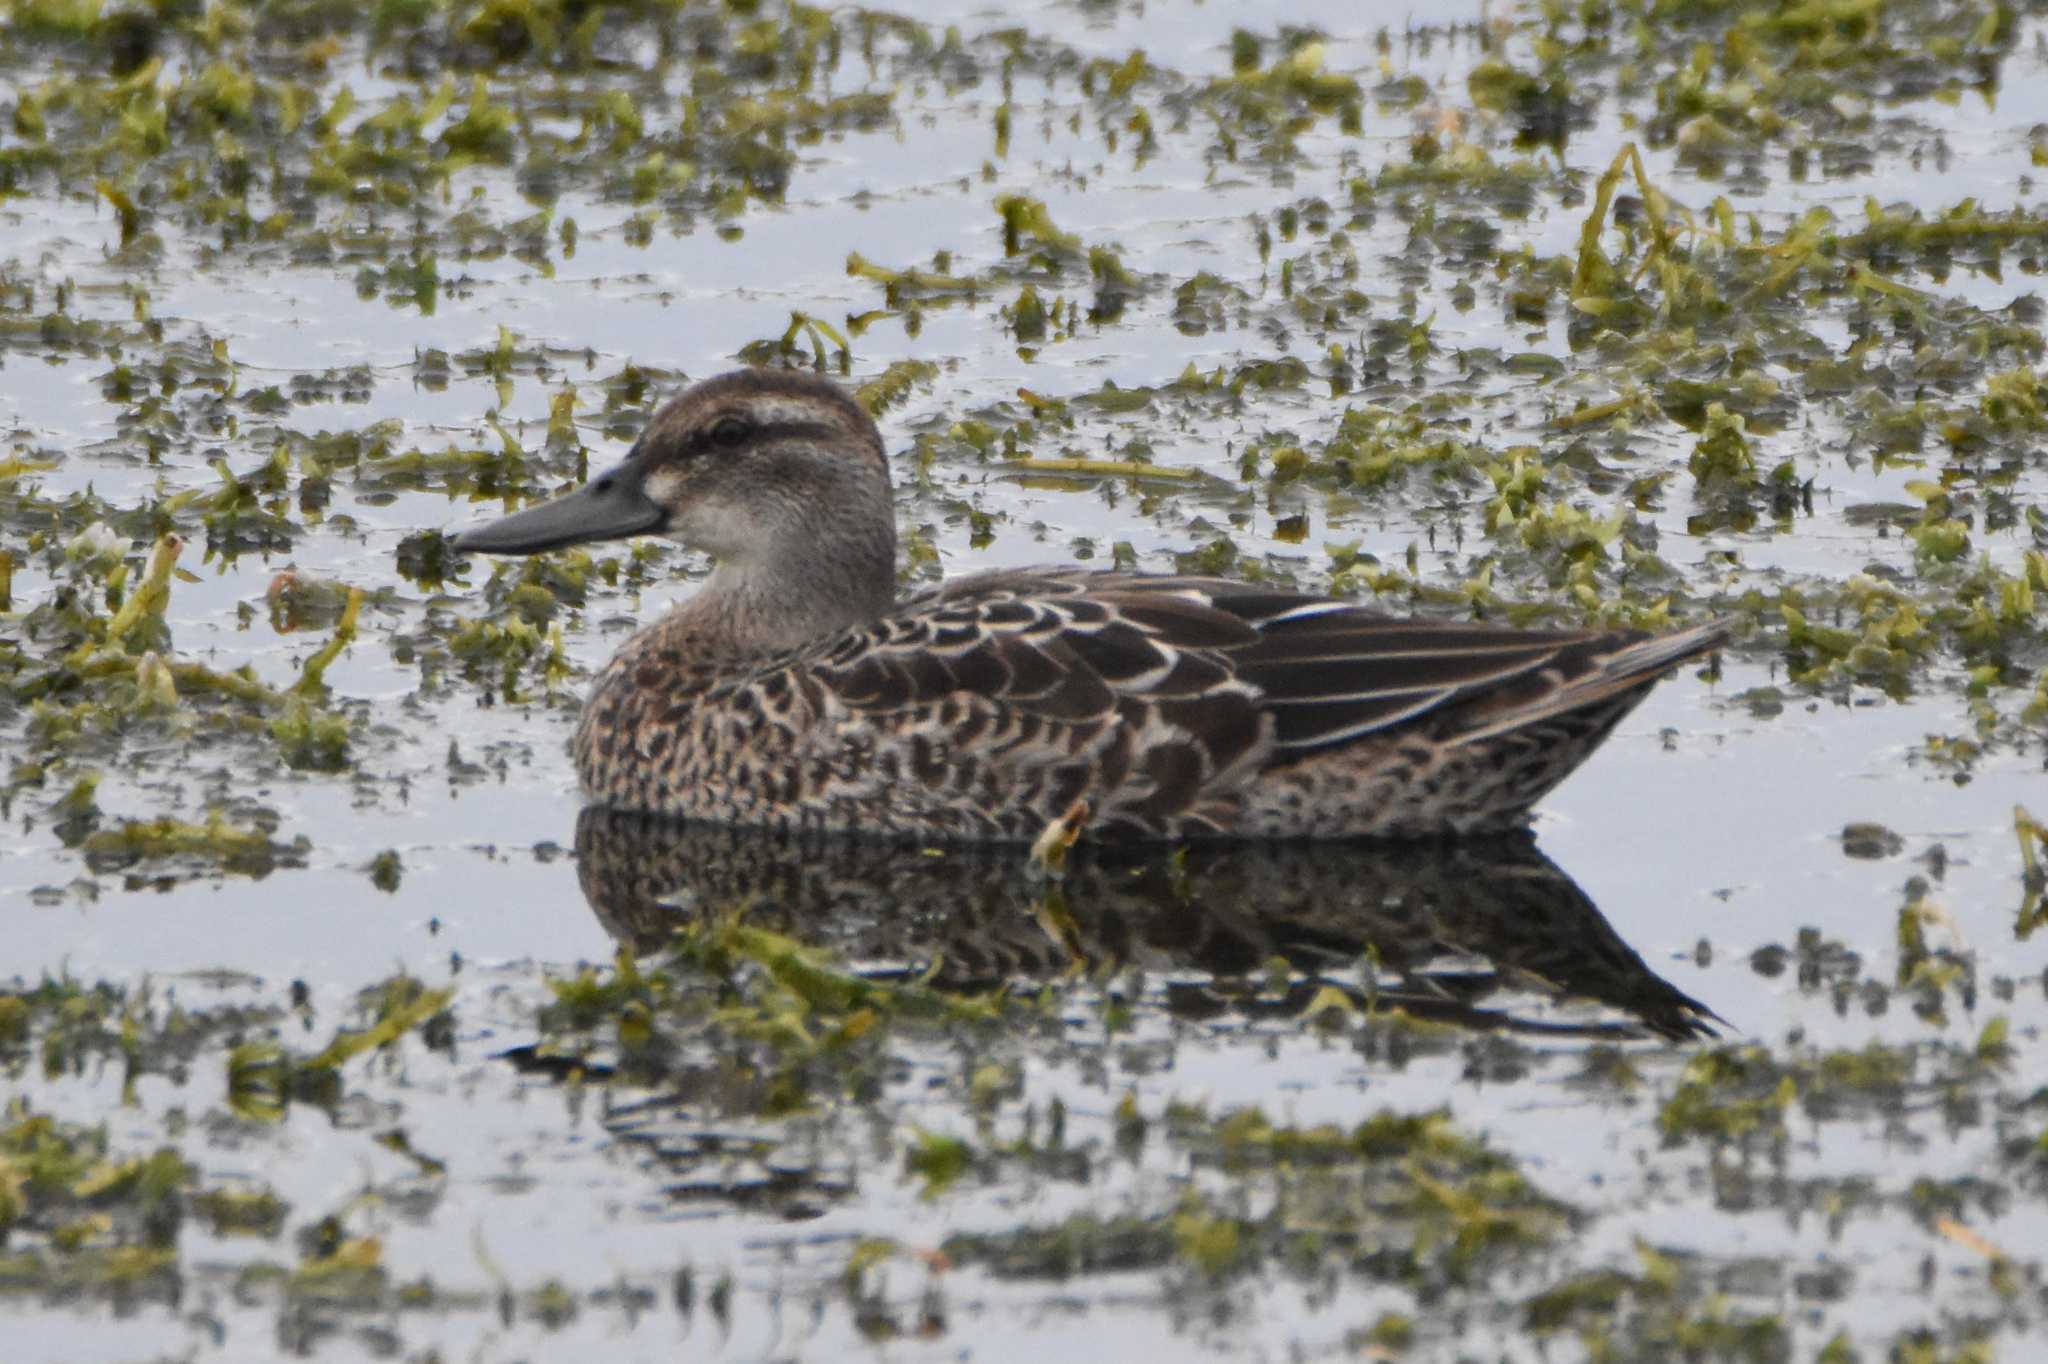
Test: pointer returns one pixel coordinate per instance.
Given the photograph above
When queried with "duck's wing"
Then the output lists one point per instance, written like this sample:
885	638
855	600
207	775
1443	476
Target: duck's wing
1203	680
1332	672
1053	685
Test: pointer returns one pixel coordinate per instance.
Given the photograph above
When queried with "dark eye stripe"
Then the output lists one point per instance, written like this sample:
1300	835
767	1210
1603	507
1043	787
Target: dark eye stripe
813	431
703	439
697	440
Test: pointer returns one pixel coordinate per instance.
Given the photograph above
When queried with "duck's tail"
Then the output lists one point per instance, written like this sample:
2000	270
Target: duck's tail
1631	665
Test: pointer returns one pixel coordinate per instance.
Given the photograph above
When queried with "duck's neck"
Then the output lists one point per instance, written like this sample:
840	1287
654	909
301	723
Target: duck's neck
788	595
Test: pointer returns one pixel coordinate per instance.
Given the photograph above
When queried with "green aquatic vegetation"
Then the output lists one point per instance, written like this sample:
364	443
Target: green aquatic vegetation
1115	401
104	671
67	1028
591	997
394	1007
138	616
1205	302
938	1160
1930	966
1889	234
205	132
348	1272
482	472
1247	1136
1729	1094
1269	98
1780	74
1925	1345
1027	316
1026	220
81	1217
829	348
1463	174
1456	1202
1994	1049
265	1077
45	1159
1941	540
415	281
2033	910
215	843
299	601
1891	636
499	653
1103	468
246	1211
763	124
1597	1294
1087	1243
1723	454
792	1029
1872	1075
1741	1095
1541	105
485	132
1213	1245
119	1274
1715	1331
1407	337
310	738
1601	291
313	672
1481	1218
913	285
1375	446
1984	616
799	980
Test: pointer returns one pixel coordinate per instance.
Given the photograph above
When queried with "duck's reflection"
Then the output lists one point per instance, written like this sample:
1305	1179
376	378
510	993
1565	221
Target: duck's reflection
1484	933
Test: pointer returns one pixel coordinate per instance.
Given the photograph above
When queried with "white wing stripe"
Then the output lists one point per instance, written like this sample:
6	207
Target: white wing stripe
1337	736
1306	611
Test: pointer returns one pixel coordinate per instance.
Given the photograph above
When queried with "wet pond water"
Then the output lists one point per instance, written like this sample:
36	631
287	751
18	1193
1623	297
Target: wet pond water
337	1027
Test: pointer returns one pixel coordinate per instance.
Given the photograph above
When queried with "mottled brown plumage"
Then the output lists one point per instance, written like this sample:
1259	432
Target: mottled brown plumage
793	690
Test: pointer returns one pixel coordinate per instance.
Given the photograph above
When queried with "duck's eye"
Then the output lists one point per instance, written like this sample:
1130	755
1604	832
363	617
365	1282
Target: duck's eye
730	432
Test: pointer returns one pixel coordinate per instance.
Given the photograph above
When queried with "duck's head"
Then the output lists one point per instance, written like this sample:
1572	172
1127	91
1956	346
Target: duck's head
759	468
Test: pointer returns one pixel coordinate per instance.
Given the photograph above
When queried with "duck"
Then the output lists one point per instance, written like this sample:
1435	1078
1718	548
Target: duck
796	689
